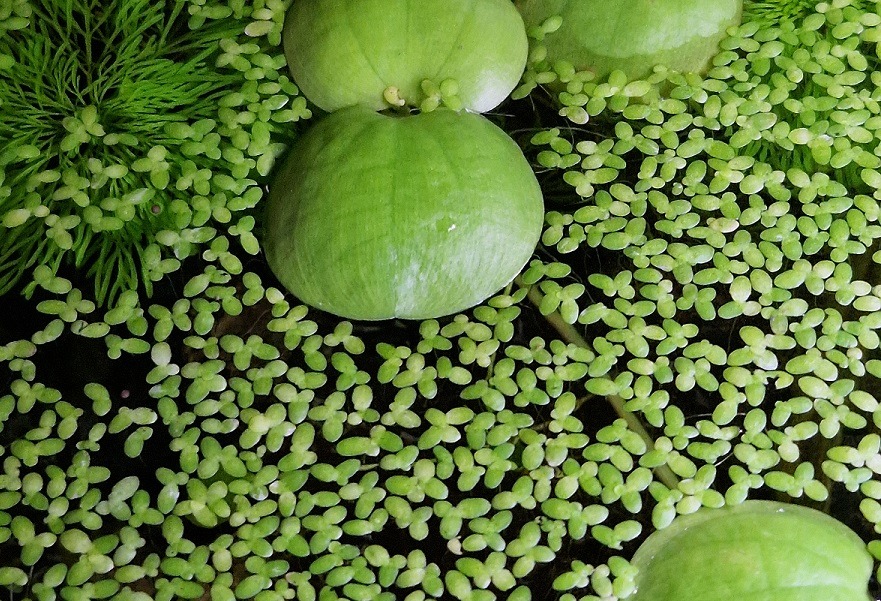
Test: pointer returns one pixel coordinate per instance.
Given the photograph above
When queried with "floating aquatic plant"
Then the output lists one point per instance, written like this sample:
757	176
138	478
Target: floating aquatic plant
411	258
382	53
698	328
807	86
755	548
633	37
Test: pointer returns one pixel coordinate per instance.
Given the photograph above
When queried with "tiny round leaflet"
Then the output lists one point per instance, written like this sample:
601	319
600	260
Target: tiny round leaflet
345	52
755	551
375	217
633	36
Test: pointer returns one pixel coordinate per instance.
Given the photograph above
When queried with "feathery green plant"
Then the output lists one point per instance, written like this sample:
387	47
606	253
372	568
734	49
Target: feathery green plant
110	126
773	13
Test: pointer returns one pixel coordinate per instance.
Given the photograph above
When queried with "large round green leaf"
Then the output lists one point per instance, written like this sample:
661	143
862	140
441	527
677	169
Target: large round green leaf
347	52
634	35
375	216
756	551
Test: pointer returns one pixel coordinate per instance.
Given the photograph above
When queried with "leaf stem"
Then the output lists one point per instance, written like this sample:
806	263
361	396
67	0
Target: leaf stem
571	335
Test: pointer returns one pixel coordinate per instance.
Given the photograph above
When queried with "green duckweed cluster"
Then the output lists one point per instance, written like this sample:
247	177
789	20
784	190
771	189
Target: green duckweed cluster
699	326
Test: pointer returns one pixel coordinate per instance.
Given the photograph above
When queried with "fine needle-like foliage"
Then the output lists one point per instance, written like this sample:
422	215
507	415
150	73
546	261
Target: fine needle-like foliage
773	13
110	126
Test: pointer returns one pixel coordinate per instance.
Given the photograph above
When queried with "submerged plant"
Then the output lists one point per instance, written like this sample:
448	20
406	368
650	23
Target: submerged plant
110	127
